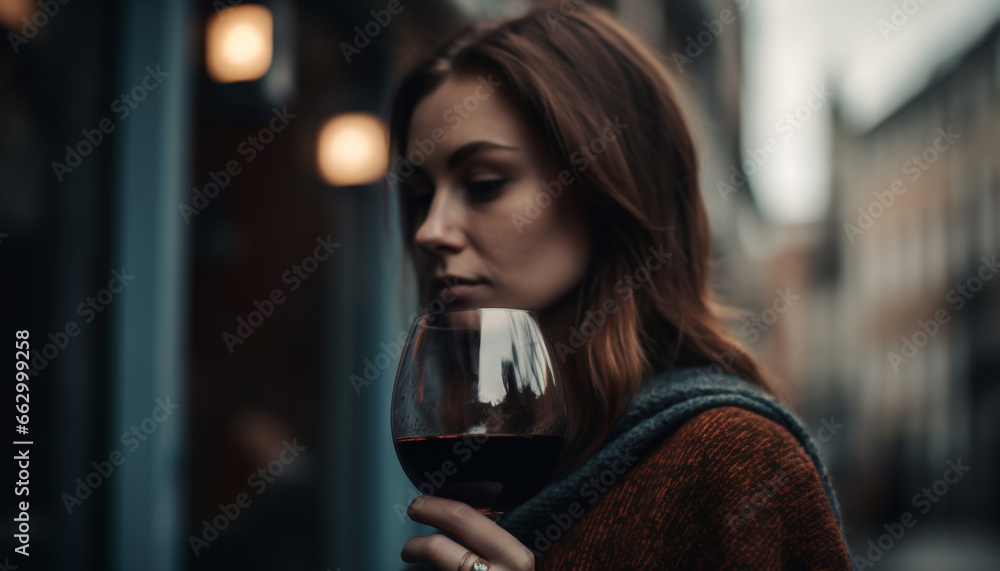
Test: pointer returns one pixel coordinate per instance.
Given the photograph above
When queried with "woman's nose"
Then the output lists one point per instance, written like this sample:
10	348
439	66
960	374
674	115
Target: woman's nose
443	227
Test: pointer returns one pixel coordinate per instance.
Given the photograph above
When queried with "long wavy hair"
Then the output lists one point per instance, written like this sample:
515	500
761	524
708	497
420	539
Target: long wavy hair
567	72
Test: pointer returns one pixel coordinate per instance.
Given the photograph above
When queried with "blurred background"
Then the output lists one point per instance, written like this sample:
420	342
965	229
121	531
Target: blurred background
193	230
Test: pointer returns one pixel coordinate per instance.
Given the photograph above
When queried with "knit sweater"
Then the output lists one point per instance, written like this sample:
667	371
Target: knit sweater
704	471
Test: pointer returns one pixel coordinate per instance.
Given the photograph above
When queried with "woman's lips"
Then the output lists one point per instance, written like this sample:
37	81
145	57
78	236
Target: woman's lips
456	288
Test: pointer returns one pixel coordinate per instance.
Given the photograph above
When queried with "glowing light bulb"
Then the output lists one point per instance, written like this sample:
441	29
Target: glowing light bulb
239	43
352	150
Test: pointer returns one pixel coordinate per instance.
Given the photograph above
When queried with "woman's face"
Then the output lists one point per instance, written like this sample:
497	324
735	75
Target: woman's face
484	166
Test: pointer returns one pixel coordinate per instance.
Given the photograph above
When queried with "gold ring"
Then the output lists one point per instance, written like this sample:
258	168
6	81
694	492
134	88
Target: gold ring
464	559
480	565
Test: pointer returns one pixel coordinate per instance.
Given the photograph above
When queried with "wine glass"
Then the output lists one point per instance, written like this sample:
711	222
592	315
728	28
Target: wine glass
479	408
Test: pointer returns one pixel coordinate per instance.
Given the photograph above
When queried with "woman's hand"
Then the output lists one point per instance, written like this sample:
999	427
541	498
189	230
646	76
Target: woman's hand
476	532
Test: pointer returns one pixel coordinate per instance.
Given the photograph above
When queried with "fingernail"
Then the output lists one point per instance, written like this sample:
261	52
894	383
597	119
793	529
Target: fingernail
414	505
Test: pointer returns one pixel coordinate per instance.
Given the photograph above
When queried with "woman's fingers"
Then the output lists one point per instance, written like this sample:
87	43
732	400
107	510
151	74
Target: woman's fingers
437	550
484	537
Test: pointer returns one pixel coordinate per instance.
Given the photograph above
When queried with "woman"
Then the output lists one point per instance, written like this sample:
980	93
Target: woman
544	163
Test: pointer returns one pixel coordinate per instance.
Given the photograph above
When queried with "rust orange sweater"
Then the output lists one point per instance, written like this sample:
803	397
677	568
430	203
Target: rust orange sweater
729	490
704	472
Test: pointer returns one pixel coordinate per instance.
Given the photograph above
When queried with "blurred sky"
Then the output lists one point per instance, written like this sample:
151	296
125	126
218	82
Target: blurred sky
875	54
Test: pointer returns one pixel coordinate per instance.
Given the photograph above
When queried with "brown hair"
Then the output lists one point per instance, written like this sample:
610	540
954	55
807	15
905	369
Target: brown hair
567	72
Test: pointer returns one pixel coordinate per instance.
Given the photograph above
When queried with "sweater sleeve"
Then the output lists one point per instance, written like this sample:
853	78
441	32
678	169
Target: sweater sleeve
729	489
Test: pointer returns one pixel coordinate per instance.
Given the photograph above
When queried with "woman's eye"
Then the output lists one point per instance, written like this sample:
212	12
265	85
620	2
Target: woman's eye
420	200
485	187
416	192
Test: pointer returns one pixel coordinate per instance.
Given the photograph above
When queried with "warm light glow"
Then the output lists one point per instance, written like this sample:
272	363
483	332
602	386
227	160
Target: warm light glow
352	150
14	12
242	45
238	43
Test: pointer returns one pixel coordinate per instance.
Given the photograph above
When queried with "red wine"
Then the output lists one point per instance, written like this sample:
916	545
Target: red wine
491	472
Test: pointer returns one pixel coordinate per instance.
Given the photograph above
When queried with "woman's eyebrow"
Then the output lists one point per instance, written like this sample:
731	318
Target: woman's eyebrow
467	150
